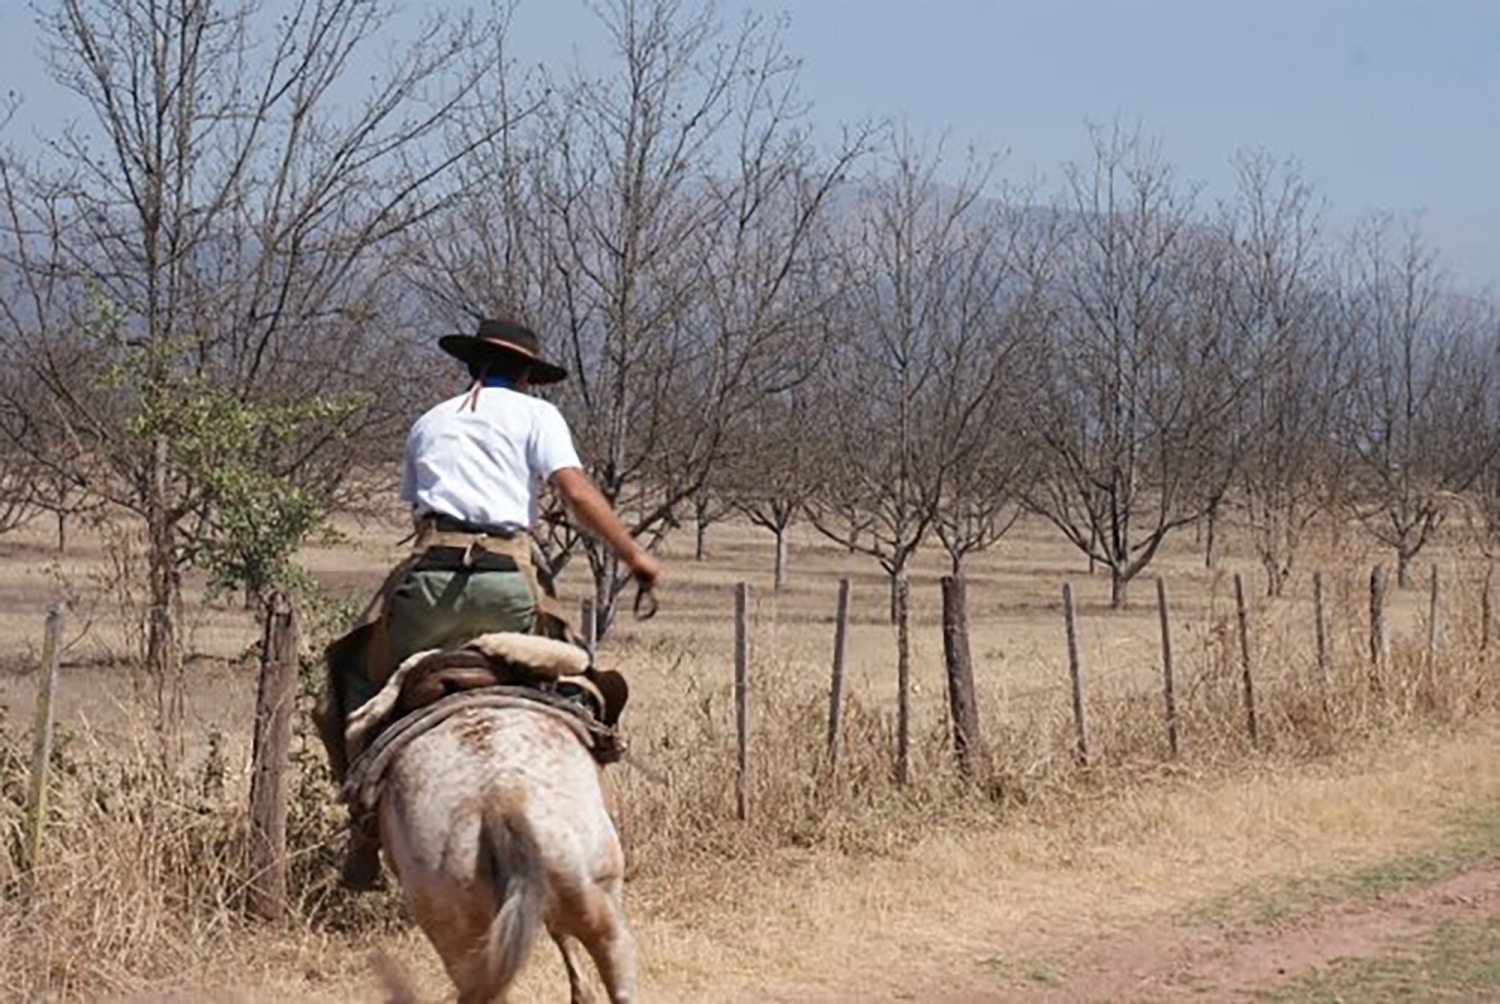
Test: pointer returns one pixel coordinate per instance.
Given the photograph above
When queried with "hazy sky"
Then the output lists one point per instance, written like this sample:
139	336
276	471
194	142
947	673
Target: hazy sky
1388	104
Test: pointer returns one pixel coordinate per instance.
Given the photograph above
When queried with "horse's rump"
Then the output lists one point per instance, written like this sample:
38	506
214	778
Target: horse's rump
494	821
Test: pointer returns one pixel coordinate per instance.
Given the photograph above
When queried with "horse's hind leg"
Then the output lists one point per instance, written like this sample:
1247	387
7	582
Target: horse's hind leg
572	955
607	937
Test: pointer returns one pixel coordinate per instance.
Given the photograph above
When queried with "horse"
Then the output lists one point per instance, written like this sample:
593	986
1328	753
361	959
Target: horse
495	826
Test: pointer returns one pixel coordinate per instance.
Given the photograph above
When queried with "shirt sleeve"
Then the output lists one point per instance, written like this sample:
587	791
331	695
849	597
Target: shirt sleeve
551	447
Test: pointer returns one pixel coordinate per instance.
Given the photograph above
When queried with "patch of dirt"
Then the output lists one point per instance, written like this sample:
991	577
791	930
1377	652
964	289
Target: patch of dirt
1174	961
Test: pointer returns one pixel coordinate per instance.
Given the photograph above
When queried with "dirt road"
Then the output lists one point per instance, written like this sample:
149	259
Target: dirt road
1390	944
1422	941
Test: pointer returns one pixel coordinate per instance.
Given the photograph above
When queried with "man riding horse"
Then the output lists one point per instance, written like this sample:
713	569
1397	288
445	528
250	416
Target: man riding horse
474	469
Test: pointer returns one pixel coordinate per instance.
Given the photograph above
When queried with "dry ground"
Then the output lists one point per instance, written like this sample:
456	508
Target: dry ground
1228	890
1133	892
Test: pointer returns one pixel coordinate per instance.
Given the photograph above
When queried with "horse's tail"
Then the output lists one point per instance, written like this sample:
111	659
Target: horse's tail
516	867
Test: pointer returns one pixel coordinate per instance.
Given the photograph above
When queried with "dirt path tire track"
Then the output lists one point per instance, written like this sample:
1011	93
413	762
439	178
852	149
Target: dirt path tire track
1174	961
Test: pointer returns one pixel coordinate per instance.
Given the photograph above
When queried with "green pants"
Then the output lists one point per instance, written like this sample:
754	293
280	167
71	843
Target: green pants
443	609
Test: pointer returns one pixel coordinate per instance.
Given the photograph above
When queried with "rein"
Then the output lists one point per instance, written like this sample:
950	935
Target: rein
645	606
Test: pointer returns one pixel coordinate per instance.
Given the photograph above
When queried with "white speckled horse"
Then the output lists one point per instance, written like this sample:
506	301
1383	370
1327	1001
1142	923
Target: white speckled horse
495	824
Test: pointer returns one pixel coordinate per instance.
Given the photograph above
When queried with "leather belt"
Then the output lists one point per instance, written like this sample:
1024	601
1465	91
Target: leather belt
452	524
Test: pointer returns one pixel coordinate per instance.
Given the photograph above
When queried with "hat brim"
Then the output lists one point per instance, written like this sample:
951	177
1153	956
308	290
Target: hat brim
471	349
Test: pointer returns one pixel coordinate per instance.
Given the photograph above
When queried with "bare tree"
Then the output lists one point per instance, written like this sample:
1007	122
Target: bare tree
984	498
777	466
1279	306
709	506
1140	371
1424	389
40	476
20	466
17	472
918	359
986	493
204	258
1483	511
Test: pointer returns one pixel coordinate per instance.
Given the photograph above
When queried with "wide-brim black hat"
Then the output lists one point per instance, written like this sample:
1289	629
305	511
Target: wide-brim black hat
496	338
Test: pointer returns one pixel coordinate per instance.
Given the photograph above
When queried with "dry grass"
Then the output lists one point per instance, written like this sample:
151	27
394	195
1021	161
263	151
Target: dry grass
144	879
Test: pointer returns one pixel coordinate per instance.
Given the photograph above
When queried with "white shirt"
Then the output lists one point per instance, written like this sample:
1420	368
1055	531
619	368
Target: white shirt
486	464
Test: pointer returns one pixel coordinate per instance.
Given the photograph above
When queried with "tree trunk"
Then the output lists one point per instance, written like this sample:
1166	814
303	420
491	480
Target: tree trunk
255	590
779	579
163	646
1212	529
604	565
1404	555
1119	560
1277	574
700	539
897	572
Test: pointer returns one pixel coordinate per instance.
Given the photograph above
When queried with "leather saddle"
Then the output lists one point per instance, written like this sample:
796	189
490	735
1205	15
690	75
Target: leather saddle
498	659
442	673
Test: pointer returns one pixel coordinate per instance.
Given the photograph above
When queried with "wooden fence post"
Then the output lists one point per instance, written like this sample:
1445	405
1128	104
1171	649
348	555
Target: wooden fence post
1320	625
1075	673
968	746
1379	640
1166	666
836	685
902	601
271	760
1433	626
1249	683
590	624
742	700
41	753
1486	607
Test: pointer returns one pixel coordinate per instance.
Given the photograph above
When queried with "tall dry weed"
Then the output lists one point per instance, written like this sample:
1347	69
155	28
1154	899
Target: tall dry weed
145	874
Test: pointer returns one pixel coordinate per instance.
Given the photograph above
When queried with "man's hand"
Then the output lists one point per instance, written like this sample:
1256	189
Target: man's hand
646	569
647	573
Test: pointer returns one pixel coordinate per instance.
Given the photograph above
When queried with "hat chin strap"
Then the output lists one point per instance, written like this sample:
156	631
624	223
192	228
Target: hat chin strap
471	400
481	380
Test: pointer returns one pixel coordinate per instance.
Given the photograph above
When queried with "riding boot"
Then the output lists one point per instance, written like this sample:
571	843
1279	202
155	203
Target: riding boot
361	868
328	720
609	747
361	871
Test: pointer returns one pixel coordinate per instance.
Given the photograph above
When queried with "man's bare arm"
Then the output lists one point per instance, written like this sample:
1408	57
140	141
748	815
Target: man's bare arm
593	510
